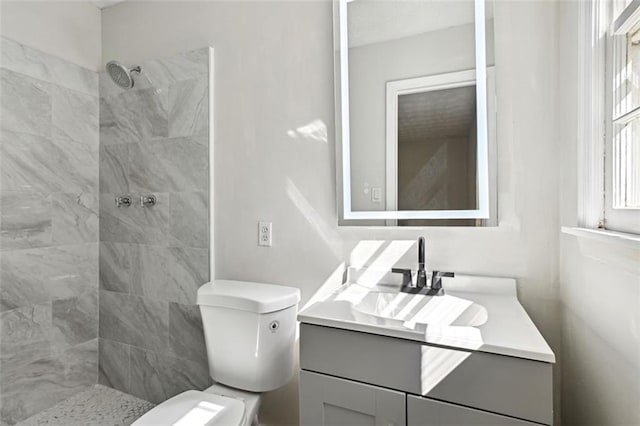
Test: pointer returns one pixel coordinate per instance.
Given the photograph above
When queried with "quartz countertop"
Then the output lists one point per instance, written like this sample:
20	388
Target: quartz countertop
500	325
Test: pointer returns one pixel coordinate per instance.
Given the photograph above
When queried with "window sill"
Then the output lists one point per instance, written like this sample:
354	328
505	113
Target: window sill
610	237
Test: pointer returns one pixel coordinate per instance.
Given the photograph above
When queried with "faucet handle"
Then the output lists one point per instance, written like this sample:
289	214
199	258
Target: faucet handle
436	278
406	275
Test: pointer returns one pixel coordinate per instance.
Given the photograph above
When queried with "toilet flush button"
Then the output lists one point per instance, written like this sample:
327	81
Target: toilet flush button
273	326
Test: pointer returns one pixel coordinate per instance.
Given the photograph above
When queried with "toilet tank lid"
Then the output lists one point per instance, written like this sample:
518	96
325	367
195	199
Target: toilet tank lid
247	296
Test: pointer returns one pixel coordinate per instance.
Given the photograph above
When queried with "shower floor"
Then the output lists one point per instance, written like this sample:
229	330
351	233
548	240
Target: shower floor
96	406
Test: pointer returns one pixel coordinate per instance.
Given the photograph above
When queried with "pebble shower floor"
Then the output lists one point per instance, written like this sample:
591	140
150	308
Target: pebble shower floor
96	406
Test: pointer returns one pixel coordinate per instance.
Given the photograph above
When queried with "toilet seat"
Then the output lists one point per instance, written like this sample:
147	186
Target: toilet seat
195	408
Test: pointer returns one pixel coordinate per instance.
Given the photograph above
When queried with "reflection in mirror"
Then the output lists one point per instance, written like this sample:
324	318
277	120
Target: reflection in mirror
431	145
436	147
416	141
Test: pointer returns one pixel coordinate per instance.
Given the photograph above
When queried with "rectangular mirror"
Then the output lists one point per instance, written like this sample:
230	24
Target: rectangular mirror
415	97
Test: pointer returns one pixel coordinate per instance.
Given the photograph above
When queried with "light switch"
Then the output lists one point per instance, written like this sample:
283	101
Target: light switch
376	195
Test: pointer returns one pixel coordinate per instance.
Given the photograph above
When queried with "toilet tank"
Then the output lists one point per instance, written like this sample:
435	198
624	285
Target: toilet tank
250	332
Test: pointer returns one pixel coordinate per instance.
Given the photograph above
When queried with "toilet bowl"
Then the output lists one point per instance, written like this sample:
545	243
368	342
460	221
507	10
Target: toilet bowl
216	405
249	331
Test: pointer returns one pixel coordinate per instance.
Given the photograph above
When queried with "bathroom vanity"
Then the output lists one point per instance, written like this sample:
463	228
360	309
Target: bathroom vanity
370	354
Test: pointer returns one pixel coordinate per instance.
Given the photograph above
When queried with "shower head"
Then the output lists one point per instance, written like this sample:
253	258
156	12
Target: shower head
121	75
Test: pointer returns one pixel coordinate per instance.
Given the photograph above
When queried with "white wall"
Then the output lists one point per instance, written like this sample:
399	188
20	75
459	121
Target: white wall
600	285
67	29
600	333
274	75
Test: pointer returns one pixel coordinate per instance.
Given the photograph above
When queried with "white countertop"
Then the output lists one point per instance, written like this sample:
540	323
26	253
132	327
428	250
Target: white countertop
505	328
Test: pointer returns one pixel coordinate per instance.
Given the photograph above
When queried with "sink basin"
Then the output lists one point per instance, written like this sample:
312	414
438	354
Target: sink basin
412	310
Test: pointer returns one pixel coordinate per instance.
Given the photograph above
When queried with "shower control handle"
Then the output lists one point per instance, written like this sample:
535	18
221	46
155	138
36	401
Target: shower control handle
148	200
123	201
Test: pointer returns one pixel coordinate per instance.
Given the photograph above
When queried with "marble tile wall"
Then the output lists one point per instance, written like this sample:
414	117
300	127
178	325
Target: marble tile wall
154	139
49	147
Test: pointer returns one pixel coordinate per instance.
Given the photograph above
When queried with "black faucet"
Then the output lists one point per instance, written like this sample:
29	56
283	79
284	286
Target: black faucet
436	279
420	286
421	279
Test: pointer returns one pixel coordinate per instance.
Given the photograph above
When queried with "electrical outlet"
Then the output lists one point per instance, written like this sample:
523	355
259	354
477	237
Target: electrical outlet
264	234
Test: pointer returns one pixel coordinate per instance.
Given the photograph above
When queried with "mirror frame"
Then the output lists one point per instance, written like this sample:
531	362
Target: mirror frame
483	211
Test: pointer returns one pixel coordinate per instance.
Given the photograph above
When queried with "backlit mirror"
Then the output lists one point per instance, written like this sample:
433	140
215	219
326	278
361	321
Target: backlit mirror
415	97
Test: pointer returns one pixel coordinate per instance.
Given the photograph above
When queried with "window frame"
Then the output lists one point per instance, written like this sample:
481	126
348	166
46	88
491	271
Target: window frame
600	43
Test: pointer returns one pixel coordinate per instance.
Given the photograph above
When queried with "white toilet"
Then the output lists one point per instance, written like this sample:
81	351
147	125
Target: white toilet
249	330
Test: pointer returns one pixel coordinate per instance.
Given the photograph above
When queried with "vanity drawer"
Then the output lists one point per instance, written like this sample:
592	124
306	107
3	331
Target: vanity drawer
501	384
427	412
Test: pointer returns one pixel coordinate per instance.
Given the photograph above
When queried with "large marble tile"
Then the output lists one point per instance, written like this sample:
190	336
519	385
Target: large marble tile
23	59
107	88
37	64
34	163
25	162
29	389
75	320
186	336
189	270
134	320
75	218
156	377
78	164
189	107
78	368
115	267
169	273
107	121
134	115
74	116
36	385
135	224
25	335
162	72
184	66
25	105
149	269
25	220
114	169
40	384
40	275
114	224
114	365
189	219
169	165
32	382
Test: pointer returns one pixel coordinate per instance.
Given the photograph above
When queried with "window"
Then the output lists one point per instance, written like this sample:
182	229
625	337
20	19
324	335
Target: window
610	126
622	154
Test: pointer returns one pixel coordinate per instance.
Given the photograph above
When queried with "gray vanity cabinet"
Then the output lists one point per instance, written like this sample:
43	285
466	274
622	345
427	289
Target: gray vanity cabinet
427	412
330	401
352	378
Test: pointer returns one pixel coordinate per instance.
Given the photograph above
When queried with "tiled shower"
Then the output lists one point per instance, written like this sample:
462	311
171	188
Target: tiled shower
91	292
48	230
154	140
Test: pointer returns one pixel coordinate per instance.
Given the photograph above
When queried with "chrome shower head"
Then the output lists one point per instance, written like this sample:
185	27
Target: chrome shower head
121	75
